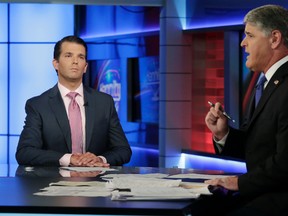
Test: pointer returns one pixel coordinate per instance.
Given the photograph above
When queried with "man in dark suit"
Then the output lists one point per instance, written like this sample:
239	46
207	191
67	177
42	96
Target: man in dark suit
46	137
263	142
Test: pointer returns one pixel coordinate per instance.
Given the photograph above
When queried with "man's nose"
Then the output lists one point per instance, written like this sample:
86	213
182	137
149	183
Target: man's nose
75	60
243	43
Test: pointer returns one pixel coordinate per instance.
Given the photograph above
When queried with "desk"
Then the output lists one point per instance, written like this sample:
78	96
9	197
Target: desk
17	195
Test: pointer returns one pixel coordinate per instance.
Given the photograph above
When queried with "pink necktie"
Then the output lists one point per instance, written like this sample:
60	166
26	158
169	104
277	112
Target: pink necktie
75	124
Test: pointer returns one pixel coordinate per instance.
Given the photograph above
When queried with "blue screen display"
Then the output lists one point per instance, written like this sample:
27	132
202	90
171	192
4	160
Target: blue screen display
149	88
146	97
106	77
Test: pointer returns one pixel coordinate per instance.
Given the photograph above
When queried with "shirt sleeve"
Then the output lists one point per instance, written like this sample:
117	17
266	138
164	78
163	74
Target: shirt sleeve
220	143
103	159
65	160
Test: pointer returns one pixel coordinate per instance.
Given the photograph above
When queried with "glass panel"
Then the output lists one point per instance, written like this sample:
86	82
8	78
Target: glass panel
40	22
3	88
31	73
13	142
3	22
3	152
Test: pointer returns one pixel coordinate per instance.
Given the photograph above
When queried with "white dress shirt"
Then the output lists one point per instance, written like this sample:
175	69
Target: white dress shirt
65	160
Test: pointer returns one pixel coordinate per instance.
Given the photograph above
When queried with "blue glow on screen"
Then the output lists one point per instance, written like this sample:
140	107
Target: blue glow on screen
3	88
31	73
210	163
94	25
209	22
40	22
149	89
143	156
181	12
201	14
116	21
3	22
128	18
106	77
123	33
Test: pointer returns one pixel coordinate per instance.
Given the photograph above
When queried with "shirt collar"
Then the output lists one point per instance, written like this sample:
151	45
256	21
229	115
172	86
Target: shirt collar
275	67
64	91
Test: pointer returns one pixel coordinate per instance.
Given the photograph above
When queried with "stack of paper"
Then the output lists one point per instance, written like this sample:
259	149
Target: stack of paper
154	186
71	188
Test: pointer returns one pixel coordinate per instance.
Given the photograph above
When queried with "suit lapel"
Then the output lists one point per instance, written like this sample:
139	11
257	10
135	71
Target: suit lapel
274	82
264	98
57	106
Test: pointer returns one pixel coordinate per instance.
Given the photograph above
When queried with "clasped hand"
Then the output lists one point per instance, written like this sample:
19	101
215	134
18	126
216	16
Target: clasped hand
87	159
216	121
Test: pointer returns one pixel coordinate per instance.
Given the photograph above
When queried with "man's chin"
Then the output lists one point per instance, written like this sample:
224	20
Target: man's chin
249	66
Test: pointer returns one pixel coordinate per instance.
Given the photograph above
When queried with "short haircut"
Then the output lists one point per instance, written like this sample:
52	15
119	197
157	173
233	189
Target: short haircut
72	39
269	18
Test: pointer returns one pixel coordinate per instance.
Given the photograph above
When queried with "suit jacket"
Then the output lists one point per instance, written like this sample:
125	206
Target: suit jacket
263	142
46	135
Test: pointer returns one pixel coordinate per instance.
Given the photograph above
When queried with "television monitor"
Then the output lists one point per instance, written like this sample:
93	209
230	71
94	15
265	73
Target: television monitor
104	75
143	89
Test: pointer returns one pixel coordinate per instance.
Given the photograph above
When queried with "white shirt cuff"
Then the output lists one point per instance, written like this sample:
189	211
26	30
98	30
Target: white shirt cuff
65	160
103	159
221	143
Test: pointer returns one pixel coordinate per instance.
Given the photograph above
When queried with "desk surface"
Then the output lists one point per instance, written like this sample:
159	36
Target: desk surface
17	195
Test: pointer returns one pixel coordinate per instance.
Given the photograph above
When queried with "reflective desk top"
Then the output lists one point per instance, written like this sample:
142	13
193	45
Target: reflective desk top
17	194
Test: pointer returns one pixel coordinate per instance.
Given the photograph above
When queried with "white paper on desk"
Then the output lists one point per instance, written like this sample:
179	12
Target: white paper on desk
197	176
78	183
148	175
154	193
137	182
98	190
88	169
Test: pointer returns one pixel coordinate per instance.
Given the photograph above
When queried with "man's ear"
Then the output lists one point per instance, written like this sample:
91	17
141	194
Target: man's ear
276	38
85	69
55	64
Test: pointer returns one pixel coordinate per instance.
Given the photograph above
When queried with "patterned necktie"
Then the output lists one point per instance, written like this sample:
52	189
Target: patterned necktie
259	89
75	122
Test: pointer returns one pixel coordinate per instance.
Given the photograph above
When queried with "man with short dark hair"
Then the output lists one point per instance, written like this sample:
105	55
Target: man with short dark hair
79	130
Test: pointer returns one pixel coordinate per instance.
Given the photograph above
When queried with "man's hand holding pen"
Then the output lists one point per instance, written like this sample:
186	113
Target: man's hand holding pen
216	121
222	110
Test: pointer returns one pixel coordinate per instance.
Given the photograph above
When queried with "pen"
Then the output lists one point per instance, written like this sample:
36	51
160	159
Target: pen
224	113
